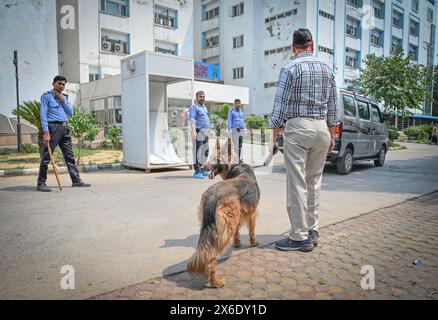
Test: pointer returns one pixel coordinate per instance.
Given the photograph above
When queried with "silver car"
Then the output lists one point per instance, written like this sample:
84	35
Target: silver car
361	133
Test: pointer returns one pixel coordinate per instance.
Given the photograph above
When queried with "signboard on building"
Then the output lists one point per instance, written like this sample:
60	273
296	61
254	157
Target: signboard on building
207	71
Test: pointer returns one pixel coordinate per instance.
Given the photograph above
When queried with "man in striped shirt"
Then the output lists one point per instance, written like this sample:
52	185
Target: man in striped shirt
305	106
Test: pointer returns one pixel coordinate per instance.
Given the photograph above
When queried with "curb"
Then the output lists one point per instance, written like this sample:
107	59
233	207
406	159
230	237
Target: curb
87	168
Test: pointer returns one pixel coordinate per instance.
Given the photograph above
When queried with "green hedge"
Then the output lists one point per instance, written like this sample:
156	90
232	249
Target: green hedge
416	133
256	122
393	134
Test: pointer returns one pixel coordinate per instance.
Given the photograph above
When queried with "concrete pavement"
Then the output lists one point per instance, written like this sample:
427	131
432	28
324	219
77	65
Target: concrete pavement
386	254
131	226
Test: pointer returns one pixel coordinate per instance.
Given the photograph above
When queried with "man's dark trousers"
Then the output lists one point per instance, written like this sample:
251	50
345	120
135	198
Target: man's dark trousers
240	143
59	135
201	142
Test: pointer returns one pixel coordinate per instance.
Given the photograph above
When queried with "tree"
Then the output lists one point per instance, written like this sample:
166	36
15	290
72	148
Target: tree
219	118
395	80
83	129
256	122
31	112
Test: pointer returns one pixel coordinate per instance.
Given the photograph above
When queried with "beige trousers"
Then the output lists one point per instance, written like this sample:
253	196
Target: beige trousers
306	144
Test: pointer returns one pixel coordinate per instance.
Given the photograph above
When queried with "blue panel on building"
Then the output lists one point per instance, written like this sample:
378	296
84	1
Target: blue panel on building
207	71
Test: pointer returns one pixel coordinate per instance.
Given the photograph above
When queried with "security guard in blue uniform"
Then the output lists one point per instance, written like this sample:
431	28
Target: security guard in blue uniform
236	127
55	110
200	125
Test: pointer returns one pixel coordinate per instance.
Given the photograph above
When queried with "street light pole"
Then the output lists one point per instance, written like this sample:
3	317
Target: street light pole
18	102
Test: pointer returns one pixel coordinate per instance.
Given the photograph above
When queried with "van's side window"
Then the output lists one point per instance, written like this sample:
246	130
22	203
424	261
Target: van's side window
364	110
349	106
375	114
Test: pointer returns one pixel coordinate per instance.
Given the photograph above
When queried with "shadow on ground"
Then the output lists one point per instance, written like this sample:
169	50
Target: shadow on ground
177	273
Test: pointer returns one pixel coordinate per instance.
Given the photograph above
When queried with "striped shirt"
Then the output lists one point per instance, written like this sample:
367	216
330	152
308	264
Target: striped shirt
306	88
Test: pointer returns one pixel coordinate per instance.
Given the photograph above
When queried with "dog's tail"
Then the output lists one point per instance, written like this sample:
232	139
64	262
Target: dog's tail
209	239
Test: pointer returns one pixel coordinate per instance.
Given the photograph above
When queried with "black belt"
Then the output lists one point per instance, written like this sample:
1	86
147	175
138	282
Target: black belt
61	123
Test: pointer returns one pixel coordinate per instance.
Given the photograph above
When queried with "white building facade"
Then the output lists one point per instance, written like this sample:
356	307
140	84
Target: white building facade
84	40
108	30
251	39
30	28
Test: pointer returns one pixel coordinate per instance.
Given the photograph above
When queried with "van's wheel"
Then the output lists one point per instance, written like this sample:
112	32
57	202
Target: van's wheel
382	155
345	164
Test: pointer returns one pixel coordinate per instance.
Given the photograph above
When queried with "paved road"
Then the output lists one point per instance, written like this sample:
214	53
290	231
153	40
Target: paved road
131	226
372	256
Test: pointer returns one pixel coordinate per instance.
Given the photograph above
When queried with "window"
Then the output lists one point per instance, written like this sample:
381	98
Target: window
326	15
212	42
375	114
93	73
396	44
278	50
356	3
349	106
116	7
210	14
166	47
413	52
165	17
238	41
429	15
353	27
237	10
352	58
415	5
397	19
271	84
378	9
238	73
364	110
326	50
377	37
114	42
414	29
282	15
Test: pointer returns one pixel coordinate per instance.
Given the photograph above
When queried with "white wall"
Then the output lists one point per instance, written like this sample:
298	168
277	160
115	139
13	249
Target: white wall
214	92
140	27
28	26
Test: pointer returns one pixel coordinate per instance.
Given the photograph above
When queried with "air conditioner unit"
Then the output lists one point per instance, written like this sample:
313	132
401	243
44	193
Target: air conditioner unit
106	45
166	22
118	47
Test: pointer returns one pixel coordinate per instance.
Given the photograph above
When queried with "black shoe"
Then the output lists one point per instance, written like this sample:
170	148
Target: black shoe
314	236
287	244
43	188
81	184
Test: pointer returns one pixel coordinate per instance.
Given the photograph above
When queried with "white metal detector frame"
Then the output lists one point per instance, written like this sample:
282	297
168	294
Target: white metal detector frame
145	77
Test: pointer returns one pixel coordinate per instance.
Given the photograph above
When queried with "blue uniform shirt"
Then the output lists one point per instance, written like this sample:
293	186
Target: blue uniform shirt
198	114
236	119
53	110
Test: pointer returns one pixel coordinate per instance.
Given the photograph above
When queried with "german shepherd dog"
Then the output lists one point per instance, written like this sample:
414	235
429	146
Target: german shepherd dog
224	207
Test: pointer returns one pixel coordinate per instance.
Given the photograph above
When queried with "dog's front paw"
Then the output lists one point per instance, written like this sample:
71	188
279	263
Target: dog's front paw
236	244
217	283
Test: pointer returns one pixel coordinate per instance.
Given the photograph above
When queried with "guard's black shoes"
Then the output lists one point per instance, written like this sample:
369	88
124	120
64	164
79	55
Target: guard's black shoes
43	188
314	237
81	184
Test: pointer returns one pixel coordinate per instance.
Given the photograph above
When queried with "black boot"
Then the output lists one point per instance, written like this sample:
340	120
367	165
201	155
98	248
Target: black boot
43	188
81	184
